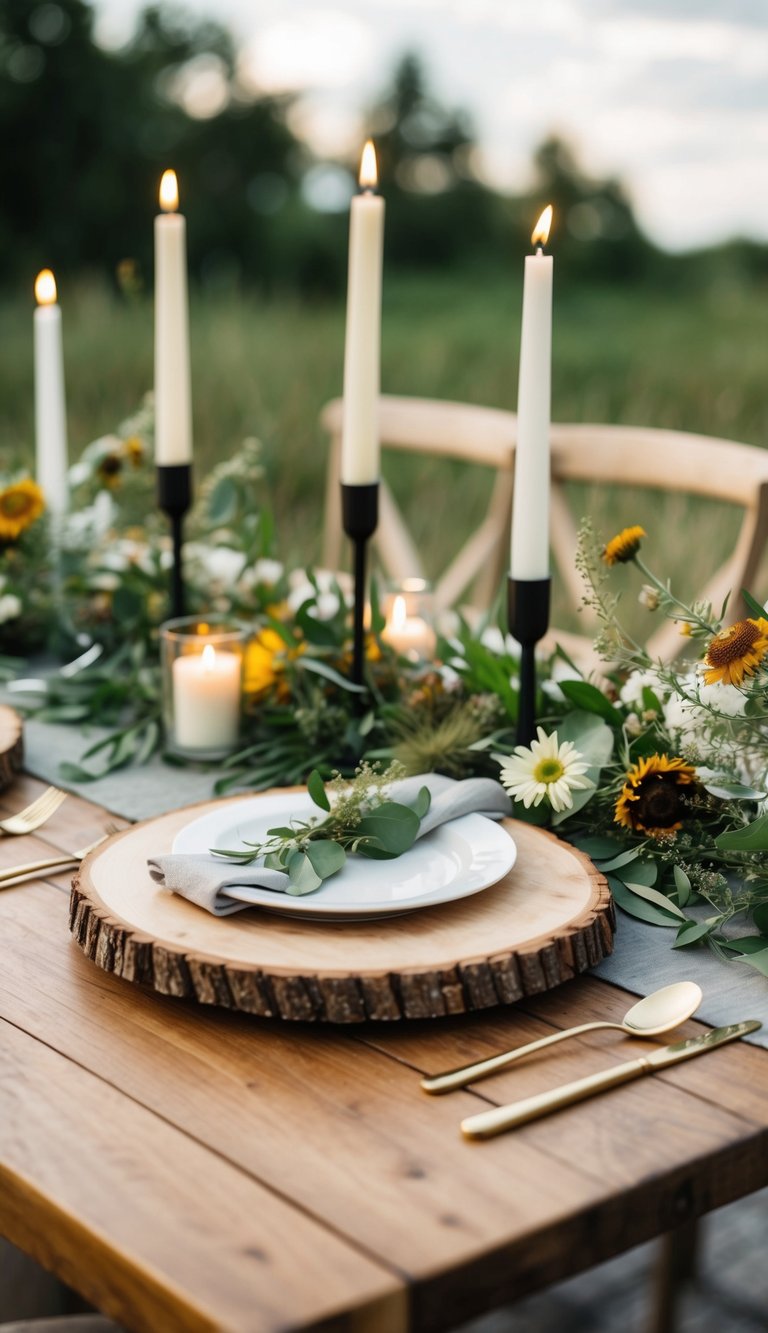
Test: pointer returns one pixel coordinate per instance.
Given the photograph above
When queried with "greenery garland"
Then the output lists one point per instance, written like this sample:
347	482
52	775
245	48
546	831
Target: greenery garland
657	771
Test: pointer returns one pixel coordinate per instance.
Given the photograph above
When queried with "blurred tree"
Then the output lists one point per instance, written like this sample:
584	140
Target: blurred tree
438	211
88	132
596	234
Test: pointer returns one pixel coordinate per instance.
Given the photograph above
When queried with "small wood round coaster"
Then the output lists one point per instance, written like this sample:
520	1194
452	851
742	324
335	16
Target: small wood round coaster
11	745
550	918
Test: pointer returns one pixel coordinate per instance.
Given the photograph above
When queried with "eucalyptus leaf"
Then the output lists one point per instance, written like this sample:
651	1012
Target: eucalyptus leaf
639	907
327	858
733	791
693	932
623	859
597	848
682	884
422	803
758	960
591	700
594	741
752	837
322	669
303	876
760	918
651	701
654	896
393	827
316	790
76	773
642	872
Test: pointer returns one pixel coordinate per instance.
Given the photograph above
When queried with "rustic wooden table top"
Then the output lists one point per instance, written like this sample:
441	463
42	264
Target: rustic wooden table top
189	1168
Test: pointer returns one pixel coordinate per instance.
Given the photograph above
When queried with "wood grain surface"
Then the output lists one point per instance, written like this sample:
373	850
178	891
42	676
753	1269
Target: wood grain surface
549	919
189	1167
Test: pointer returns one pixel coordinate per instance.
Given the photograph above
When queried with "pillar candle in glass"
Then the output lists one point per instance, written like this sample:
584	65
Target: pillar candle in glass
530	511
173	402
408	627
202	666
50	407
360	425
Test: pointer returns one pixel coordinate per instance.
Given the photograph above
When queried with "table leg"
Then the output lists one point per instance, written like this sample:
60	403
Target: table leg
676	1265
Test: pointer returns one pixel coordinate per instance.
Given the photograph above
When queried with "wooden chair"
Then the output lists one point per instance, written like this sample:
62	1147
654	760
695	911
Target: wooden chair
616	456
459	431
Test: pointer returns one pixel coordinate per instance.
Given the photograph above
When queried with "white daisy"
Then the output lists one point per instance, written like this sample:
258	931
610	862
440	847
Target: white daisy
545	769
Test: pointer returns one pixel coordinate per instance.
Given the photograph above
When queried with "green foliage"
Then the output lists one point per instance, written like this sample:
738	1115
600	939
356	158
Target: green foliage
360	819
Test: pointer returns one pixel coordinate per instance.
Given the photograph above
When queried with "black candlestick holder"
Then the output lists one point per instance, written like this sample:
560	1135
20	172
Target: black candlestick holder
174	497
360	516
528	613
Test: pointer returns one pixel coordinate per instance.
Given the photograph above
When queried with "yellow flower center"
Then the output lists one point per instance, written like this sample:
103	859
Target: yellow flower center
548	770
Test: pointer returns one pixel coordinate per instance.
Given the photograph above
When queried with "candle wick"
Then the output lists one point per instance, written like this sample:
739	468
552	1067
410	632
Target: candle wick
368	189
539	250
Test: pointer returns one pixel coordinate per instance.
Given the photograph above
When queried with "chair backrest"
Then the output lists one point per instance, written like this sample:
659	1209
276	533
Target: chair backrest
624	456
459	431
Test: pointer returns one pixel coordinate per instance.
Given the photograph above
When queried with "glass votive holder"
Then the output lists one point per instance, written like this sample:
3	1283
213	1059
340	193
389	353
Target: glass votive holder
202	675
408	610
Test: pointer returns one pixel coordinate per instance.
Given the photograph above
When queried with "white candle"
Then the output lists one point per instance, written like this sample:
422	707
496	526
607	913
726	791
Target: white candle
173	404
206	700
409	635
530	511
50	408
360	428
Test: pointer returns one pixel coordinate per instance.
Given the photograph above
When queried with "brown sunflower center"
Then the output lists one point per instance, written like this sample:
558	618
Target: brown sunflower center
15	503
659	803
732	644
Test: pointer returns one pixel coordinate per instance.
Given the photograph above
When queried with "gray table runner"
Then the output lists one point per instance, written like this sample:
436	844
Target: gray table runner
642	960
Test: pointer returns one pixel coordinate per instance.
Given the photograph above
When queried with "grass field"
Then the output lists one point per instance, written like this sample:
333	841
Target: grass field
695	362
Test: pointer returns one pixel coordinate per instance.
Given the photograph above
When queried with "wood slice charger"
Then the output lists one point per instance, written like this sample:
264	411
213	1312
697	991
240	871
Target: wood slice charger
550	918
11	745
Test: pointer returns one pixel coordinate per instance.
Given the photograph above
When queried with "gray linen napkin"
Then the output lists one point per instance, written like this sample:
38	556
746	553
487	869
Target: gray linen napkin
205	879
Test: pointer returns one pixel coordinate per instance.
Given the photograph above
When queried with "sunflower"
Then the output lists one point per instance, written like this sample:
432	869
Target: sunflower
623	546
21	504
265	659
652	800
736	652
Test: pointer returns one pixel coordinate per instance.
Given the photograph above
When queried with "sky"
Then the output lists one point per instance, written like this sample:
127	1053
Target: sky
669	95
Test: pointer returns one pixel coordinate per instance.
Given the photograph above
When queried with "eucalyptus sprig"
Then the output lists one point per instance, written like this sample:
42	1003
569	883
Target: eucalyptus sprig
360	819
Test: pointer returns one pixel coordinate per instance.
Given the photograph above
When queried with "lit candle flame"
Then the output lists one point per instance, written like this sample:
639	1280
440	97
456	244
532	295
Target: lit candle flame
169	192
209	657
399	613
45	288
540	234
369	174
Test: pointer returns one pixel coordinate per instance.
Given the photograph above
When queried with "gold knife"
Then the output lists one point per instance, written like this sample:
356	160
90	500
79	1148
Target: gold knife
489	1123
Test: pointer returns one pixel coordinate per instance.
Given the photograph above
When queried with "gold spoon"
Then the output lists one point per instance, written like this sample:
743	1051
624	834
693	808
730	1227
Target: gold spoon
660	1012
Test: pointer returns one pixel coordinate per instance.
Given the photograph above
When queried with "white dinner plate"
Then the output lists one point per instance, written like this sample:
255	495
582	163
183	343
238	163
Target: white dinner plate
454	861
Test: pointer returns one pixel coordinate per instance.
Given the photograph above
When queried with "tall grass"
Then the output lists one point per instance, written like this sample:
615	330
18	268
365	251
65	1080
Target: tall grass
695	361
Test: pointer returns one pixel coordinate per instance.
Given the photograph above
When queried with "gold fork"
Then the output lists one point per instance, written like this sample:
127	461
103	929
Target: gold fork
14	874
34	815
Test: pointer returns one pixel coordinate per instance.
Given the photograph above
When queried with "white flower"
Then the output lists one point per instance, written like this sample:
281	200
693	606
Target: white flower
10	607
544	769
723	698
631	692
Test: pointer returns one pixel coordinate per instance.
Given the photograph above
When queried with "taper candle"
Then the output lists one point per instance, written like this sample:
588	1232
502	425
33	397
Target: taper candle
530	511
360	425
50	407
173	404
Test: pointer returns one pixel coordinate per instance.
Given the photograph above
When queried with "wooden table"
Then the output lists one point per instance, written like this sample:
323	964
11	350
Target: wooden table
188	1168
